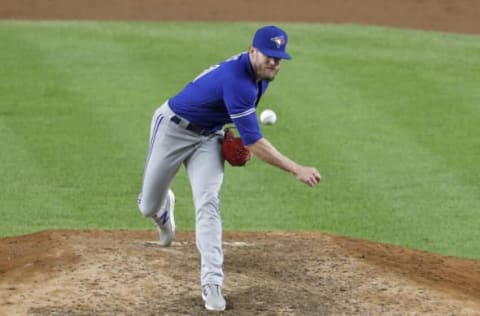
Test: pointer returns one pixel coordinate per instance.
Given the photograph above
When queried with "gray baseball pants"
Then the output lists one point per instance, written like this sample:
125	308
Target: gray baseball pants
171	145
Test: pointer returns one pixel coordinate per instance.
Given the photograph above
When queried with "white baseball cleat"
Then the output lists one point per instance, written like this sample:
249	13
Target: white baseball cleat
212	295
165	220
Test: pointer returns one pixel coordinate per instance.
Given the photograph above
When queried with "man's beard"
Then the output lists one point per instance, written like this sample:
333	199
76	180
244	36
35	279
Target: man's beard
268	78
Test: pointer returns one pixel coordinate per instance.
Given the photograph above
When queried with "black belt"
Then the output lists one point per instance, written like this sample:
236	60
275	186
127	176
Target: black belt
199	130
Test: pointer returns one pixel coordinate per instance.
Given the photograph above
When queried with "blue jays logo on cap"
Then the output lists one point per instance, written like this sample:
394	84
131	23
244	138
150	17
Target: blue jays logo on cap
271	41
278	40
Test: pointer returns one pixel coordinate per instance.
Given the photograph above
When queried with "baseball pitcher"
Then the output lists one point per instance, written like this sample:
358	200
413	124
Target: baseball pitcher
188	130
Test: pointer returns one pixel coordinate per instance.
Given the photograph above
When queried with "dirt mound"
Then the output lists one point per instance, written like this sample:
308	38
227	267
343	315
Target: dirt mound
127	273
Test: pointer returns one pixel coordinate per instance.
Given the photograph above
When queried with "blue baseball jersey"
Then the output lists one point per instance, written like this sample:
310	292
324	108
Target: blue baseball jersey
224	93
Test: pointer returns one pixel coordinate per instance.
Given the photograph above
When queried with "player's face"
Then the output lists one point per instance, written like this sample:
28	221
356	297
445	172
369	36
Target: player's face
265	67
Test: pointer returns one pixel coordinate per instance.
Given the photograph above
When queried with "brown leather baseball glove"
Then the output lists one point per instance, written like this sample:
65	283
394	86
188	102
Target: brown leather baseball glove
233	149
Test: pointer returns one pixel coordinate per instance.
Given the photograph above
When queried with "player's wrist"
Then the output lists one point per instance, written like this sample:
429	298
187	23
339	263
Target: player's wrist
294	169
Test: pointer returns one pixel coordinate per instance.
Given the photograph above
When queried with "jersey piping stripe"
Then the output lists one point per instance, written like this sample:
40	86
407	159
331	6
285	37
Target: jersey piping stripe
245	113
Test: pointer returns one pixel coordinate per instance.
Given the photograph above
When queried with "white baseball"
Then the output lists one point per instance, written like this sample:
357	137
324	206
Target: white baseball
268	117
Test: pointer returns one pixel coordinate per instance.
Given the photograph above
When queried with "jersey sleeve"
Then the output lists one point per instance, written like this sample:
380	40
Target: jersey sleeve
248	128
240	100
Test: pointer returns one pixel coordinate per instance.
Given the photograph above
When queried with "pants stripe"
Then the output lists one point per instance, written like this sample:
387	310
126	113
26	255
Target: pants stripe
158	120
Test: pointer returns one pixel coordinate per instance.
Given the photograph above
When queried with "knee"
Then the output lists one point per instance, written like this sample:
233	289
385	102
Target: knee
146	209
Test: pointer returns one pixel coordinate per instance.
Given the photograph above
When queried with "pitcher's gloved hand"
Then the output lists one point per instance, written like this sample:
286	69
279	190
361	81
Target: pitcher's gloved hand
233	149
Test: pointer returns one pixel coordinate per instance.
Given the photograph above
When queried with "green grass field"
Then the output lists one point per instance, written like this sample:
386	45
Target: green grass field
390	117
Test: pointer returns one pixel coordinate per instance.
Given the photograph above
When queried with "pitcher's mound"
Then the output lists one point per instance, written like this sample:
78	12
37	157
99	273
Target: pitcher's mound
128	273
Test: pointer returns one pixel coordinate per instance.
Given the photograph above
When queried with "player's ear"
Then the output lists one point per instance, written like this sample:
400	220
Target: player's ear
252	52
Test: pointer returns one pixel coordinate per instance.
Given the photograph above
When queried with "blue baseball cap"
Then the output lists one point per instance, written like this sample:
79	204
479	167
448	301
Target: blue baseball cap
271	41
